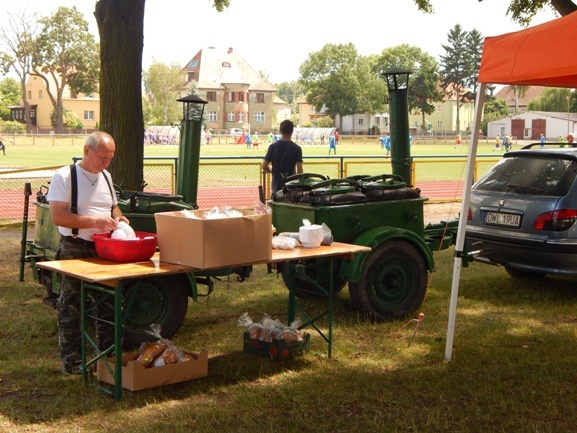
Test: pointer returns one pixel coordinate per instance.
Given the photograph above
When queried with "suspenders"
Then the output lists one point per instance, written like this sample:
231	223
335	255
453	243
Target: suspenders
74	198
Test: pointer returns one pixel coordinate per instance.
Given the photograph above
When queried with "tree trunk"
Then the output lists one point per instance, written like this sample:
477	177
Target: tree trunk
121	29
564	7
26	106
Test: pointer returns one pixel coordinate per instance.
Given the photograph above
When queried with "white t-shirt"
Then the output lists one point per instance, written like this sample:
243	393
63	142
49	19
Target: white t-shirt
92	199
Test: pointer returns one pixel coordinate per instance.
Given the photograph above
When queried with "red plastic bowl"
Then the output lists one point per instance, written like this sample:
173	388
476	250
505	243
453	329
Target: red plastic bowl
138	249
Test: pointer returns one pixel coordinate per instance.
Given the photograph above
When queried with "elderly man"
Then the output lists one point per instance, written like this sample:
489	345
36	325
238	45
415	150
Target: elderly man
82	202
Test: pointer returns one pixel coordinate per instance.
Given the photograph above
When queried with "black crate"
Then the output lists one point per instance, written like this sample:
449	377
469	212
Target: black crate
278	348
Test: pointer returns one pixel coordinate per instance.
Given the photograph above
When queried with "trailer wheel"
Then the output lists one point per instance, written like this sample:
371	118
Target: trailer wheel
162	300
393	281
318	270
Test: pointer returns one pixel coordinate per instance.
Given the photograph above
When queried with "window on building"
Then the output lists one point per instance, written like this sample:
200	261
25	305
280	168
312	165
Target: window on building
40	94
88	114
260	98
361	121
192	64
241	116
89	95
211	96
377	120
230	97
440	123
211	116
230	117
29	94
73	95
190	75
240	96
259	117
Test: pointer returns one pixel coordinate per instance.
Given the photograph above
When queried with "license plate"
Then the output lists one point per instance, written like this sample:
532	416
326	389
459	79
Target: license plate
503	219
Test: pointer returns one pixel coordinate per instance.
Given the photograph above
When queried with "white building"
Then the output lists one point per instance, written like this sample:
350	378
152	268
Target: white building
530	125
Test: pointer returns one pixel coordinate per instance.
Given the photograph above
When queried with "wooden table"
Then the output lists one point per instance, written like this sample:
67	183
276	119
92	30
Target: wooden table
108	277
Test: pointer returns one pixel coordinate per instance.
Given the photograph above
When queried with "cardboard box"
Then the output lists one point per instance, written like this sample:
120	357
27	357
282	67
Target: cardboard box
278	348
214	243
136	377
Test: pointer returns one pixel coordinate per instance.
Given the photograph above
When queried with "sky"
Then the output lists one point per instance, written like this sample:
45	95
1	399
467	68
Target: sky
276	37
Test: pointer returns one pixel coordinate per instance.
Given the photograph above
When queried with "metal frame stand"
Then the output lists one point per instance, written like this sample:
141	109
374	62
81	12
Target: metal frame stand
294	305
116	347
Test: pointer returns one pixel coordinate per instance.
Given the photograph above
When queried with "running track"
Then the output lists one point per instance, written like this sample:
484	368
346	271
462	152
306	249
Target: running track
13	207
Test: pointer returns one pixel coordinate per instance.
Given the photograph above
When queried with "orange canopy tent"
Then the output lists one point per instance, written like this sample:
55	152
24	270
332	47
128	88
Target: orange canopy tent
544	55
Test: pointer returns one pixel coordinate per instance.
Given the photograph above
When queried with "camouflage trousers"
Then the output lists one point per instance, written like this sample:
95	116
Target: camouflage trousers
68	306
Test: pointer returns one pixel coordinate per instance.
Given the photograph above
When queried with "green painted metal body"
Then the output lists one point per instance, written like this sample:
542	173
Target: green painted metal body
189	157
348	222
369	224
400	148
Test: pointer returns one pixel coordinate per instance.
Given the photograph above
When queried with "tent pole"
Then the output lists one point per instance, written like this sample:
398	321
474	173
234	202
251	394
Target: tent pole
460	241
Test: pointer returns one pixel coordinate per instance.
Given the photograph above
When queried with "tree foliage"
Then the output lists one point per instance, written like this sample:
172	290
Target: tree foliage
521	11
163	83
341	82
17	44
460	65
423	90
290	91
10	93
493	109
121	29
554	99
66	54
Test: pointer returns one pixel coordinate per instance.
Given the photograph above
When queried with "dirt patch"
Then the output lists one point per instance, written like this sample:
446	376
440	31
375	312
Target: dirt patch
437	212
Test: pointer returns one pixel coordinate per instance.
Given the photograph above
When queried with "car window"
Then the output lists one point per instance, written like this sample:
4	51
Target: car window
535	176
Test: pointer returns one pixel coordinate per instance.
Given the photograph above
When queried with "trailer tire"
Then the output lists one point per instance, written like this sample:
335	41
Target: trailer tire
161	300
305	288
393	281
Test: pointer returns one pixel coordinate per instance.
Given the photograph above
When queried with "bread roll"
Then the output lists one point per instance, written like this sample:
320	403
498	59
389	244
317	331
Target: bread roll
150	353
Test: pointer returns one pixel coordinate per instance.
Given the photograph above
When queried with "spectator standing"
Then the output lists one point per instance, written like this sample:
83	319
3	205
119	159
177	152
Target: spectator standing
2	145
388	143
337	137
542	140
457	142
208	137
247	140
332	145
269	138
254	139
283	158
497	144
508	142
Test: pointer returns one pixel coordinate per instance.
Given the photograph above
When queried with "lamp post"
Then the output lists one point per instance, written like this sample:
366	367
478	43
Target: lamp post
398	82
189	148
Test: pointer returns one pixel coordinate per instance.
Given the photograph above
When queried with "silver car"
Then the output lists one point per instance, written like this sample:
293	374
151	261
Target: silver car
523	210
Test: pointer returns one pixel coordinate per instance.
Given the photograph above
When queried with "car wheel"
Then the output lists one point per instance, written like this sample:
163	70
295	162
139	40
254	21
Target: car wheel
393	282
157	300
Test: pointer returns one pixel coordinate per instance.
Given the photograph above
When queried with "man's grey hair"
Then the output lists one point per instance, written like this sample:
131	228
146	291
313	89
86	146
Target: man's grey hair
95	138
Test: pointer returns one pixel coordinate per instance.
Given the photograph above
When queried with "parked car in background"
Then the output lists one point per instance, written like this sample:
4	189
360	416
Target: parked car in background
235	132
522	213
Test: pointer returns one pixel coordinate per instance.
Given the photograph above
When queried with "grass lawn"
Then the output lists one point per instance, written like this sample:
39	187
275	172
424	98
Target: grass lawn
44	152
513	369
